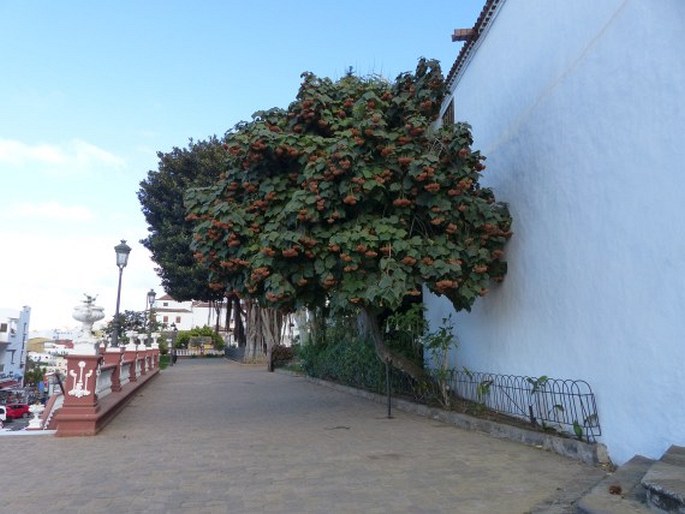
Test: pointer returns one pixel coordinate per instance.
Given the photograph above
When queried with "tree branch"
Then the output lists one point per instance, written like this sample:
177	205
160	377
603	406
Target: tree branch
370	320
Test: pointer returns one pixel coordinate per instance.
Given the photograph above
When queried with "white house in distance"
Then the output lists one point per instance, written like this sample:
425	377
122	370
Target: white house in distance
168	311
579	107
184	315
14	334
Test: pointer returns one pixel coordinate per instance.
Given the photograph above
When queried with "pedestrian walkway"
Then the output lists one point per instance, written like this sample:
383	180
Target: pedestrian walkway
213	436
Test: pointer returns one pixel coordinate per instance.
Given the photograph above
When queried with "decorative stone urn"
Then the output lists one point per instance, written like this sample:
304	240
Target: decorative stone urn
133	339
35	423
87	313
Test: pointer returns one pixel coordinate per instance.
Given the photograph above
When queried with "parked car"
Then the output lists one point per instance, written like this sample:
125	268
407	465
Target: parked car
3	414
17	410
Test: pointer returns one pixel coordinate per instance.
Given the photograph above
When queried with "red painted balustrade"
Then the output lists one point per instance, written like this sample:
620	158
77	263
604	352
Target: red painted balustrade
98	385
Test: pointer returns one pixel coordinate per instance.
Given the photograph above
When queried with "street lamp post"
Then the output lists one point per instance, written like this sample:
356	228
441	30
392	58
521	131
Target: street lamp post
170	351
172	346
122	250
150	301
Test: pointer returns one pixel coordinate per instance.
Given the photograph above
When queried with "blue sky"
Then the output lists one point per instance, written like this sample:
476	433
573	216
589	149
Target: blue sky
90	91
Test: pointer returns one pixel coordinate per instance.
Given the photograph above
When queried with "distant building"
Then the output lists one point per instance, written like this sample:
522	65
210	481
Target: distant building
187	315
205	313
52	362
14	333
58	347
36	344
172	313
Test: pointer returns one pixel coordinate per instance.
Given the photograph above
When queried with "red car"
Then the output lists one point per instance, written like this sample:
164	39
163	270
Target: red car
17	410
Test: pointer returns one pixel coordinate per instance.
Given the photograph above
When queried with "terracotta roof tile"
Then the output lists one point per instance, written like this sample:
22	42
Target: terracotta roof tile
470	36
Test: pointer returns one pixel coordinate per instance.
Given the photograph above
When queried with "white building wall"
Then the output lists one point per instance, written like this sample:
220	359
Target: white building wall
203	316
172	310
13	351
192	314
580	108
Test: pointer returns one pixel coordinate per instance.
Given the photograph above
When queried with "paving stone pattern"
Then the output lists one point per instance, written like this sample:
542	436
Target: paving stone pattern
213	436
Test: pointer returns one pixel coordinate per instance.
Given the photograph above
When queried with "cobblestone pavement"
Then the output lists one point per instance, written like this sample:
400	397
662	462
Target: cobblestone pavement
212	436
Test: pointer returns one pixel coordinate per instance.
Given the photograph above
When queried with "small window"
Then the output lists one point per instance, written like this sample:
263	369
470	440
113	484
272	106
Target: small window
178	319
3	327
165	304
448	115
165	319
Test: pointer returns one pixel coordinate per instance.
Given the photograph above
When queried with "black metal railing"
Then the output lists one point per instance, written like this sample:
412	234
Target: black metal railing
564	406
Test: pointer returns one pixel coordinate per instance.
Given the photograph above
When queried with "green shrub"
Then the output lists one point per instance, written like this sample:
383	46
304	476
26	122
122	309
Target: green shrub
341	355
184	336
352	362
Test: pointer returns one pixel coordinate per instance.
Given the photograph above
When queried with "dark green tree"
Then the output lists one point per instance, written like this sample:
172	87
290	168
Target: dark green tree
34	373
161	198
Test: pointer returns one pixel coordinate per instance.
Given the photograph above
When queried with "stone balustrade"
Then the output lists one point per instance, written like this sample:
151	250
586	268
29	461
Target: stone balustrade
198	352
98	384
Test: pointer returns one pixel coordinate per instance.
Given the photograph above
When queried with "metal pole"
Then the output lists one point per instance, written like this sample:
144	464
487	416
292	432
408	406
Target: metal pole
115	336
388	387
148	319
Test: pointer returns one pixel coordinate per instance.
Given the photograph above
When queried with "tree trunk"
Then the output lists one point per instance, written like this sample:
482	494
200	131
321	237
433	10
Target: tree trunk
254	333
217	310
227	318
272	323
263	332
238	325
317	324
300	320
369	320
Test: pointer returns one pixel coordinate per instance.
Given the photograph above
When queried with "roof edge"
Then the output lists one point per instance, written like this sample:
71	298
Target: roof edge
485	17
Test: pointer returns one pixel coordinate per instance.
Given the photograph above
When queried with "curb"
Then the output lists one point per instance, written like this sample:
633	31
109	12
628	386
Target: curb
593	454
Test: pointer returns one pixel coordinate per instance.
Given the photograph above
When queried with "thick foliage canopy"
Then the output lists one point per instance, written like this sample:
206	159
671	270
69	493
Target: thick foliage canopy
161	197
349	197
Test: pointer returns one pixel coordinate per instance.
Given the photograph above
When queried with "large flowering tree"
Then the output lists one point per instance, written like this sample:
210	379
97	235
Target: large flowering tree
350	198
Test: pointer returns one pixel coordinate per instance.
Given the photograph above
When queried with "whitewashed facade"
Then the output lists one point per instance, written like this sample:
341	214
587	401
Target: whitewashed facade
186	315
171	312
579	107
14	334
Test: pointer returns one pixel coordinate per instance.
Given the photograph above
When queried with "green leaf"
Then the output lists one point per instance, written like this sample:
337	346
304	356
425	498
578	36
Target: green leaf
577	429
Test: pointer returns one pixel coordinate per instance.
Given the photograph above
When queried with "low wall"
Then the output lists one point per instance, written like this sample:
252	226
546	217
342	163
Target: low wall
98	385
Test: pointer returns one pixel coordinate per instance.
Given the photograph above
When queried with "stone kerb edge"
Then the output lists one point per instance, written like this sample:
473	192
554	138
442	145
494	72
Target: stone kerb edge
593	454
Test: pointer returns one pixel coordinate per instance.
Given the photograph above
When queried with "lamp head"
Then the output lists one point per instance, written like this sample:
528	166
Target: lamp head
151	297
122	250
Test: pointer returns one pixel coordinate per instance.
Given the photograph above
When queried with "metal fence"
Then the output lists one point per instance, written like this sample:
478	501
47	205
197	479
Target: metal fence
561	405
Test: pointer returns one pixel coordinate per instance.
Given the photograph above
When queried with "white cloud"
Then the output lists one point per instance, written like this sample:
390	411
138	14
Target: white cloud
74	157
51	273
53	211
87	154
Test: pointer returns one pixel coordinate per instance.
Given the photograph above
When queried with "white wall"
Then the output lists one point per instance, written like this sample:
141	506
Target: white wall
13	355
580	108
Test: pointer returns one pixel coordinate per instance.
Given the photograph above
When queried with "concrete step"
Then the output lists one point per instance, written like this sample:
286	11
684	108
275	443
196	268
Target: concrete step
664	482
621	492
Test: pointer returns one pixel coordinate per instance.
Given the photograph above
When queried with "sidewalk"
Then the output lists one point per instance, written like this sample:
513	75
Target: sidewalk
212	436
